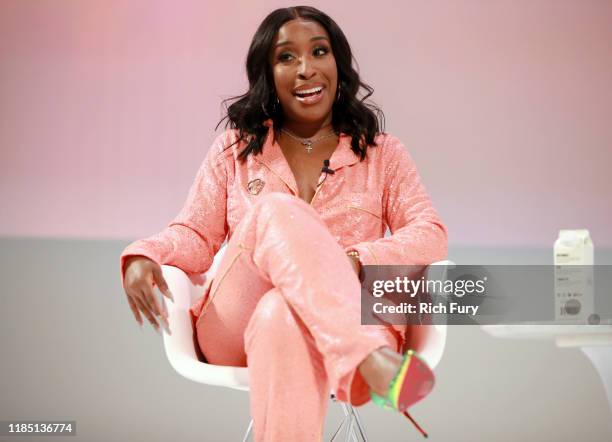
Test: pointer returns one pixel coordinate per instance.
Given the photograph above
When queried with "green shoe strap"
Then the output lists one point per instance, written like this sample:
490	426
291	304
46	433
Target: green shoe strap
392	397
396	384
380	401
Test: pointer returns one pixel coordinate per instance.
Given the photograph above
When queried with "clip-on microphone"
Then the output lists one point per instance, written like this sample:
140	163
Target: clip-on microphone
326	168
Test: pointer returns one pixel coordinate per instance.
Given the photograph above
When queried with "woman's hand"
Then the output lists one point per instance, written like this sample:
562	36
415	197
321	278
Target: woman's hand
141	276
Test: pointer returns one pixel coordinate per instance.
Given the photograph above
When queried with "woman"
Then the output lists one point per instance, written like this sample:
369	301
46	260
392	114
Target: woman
285	300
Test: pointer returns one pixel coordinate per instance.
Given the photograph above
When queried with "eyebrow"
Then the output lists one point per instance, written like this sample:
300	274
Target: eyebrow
288	42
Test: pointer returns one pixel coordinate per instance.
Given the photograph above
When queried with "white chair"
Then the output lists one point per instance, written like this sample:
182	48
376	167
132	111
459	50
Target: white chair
182	354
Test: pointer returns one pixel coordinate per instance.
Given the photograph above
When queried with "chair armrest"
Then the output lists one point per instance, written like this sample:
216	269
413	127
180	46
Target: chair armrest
179	346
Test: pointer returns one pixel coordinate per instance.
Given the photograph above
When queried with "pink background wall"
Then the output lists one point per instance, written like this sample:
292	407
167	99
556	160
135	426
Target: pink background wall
108	107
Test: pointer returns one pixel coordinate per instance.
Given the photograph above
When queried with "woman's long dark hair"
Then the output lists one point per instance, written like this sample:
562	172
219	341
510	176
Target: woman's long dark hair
351	115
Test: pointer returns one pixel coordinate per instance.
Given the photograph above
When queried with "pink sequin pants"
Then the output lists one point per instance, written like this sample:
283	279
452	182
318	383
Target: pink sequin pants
285	302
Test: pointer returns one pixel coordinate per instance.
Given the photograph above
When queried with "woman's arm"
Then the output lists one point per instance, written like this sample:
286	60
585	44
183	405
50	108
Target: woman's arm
418	236
191	240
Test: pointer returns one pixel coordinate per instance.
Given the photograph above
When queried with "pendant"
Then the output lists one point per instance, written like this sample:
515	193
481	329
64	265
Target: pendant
308	145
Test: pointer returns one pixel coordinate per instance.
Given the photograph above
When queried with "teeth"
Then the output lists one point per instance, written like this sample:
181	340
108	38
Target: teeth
309	91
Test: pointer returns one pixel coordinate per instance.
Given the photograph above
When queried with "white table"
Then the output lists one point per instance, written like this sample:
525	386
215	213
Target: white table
595	341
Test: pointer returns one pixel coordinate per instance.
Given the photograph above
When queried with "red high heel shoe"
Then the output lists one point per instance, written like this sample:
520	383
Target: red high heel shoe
413	381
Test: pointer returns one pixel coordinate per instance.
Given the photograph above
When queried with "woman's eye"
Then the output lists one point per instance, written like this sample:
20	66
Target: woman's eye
321	51
284	56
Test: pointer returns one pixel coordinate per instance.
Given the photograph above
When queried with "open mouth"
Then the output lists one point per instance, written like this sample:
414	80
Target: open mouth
309	95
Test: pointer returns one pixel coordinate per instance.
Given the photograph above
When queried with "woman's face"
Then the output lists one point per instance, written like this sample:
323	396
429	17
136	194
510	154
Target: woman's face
305	73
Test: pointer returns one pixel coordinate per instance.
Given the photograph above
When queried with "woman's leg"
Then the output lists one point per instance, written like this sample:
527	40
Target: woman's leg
286	287
289	386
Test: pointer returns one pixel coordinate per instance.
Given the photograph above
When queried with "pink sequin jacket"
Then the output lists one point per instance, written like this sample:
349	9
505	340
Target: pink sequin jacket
357	204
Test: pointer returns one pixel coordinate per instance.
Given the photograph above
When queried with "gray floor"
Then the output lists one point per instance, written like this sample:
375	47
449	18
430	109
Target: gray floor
70	350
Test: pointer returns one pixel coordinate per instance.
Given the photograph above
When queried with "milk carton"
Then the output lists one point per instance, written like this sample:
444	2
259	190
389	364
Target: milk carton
574	259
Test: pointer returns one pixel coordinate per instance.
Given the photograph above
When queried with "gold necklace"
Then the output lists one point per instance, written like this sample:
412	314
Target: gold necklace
307	142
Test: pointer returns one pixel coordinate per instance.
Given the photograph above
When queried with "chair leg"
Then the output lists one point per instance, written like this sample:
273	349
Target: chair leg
248	432
350	432
351	420
359	423
348	417
340	427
